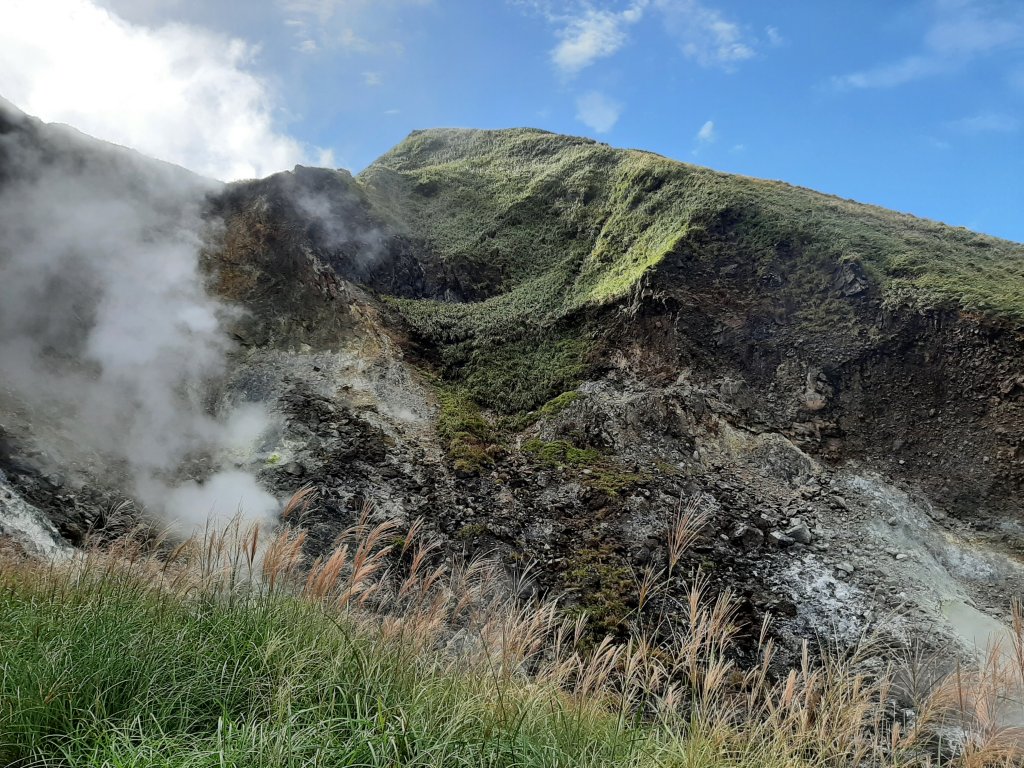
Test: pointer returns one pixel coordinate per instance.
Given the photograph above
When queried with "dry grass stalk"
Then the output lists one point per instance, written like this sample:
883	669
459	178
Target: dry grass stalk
685	529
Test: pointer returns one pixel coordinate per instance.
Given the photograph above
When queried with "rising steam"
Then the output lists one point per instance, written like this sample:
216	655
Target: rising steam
107	335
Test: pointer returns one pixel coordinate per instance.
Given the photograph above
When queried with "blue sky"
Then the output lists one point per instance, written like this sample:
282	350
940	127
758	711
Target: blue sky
917	105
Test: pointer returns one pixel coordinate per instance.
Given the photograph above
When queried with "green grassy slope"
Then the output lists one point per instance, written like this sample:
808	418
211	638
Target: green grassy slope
233	651
111	672
543	229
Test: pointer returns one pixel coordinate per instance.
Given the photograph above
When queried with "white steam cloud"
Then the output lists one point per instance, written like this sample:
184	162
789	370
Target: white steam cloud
107	334
180	93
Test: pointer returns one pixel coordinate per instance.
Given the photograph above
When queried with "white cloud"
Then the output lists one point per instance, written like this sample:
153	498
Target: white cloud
706	134
591	30
987	122
372	79
957	32
891	75
142	10
973	30
597	111
592	35
179	93
351	40
774	36
705	34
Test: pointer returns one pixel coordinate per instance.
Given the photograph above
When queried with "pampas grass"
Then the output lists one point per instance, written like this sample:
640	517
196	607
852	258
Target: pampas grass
236	648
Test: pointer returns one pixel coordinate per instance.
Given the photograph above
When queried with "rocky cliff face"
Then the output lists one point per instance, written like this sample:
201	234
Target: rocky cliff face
548	347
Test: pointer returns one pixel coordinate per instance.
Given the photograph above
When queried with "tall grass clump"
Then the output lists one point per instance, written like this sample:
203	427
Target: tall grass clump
237	648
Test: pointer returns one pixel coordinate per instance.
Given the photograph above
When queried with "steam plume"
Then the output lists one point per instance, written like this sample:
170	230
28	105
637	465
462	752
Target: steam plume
106	332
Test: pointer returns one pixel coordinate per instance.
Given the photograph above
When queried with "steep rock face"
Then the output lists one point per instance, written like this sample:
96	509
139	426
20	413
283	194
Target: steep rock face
826	340
776	350
929	395
546	346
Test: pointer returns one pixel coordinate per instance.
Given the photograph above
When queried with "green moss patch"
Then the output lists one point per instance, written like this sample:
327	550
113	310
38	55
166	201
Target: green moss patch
602	473
469	437
603	585
552	407
561	453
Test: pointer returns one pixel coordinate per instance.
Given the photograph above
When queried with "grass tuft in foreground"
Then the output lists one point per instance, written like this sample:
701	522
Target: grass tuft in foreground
233	649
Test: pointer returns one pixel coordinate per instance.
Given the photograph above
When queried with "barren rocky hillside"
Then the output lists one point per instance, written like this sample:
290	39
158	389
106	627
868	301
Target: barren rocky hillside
549	347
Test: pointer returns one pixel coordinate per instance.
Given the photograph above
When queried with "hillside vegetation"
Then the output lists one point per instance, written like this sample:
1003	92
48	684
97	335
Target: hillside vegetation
544	231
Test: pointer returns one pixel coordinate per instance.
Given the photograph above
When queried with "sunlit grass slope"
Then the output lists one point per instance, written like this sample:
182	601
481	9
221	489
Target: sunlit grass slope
545	229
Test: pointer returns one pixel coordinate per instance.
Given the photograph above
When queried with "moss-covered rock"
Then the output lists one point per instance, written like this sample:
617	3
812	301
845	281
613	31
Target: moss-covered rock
469	437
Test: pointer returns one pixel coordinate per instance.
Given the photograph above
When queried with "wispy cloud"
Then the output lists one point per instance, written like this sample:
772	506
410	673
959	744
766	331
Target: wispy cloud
957	32
894	74
597	111
594	34
356	26
706	134
972	28
705	34
986	122
372	79
353	41
590	30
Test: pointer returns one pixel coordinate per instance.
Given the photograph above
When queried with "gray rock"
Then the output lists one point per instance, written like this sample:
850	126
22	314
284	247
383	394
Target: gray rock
294	468
781	539
748	537
799	532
